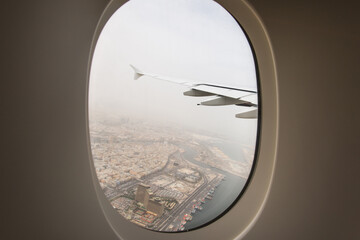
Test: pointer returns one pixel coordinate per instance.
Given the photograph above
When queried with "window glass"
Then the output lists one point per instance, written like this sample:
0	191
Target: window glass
172	112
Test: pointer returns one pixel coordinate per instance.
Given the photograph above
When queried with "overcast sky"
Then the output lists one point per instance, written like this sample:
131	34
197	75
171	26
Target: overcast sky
191	39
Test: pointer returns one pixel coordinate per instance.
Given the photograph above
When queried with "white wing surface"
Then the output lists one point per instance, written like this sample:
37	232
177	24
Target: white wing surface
223	95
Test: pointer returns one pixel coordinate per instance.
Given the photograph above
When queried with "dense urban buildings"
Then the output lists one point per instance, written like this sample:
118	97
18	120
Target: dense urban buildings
157	177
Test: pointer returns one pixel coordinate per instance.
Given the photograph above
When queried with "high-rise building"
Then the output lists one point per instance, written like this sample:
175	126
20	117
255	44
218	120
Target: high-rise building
155	207
142	194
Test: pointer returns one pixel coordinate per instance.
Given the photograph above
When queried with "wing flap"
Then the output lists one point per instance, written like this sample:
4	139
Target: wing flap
196	93
222	91
221	101
248	114
253	98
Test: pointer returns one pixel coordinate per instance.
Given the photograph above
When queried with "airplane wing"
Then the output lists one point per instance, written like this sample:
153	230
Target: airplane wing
223	95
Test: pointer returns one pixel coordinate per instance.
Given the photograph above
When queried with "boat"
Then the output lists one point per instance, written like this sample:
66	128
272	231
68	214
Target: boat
187	217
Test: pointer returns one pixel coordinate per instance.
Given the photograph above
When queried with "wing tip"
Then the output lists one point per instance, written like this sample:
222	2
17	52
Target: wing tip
137	72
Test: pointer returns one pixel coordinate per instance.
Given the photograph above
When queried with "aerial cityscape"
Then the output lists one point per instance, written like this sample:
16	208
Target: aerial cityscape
172	112
161	177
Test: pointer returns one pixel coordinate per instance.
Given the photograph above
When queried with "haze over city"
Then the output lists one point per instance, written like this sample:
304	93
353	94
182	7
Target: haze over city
195	40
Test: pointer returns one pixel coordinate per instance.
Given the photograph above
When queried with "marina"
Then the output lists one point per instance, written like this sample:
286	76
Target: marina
217	199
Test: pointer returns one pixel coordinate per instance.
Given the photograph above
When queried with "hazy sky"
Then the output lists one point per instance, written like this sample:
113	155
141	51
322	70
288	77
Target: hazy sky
192	39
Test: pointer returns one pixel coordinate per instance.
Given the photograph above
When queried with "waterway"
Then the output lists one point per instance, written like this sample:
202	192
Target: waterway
224	195
230	148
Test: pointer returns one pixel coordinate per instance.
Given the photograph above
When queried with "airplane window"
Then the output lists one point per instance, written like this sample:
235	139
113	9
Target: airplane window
173	112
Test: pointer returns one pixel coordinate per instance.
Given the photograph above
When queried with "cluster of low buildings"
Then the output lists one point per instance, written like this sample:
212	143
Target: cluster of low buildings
118	160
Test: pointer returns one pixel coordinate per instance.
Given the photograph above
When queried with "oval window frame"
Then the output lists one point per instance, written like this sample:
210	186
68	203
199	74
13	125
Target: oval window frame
241	216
